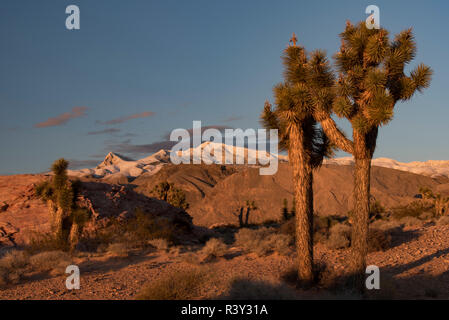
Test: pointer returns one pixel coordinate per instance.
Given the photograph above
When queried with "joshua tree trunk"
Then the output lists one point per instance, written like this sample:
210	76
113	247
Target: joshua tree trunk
364	145
58	224
74	235
303	180
360	220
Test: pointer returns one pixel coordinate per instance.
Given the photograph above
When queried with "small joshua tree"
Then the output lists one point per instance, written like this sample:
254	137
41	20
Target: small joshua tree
245	209
67	218
440	203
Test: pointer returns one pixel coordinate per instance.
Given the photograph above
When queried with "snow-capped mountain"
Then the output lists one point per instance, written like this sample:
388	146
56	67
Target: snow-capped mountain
430	168
209	152
118	165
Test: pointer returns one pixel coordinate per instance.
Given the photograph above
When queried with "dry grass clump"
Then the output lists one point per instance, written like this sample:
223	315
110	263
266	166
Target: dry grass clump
263	241
54	262
160	244
214	248
13	267
118	249
41	242
176	285
15	264
414	209
245	289
339	236
443	221
138	232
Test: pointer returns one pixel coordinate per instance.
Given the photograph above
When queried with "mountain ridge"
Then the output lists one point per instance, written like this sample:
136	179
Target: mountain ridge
119	165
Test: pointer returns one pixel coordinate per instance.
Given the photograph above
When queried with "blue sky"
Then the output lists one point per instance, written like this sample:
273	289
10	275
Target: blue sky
137	69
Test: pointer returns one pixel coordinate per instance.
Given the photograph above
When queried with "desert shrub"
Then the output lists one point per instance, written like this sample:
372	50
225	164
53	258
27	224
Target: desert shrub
245	289
376	211
263	241
443	221
44	190
176	285
118	249
14	259
409	221
281	243
413	209
13	267
339	236
54	262
169	193
160	244
145	227
249	238
288	227
43	242
215	248
378	240
321	226
135	232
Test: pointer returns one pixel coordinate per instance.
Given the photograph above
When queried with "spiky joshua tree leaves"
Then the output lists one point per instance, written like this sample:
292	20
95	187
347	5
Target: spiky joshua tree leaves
371	81
304	140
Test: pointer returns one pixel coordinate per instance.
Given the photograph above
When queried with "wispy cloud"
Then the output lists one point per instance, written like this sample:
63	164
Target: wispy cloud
203	128
105	131
76	112
127	118
232	119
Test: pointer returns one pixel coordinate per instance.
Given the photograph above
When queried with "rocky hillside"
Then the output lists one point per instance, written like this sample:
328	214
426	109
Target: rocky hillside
332	186
216	192
22	213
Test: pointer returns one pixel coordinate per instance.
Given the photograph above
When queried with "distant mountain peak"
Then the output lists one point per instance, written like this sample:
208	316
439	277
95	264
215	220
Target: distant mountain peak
112	158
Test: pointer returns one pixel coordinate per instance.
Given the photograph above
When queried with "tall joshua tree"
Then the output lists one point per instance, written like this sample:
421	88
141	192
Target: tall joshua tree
306	144
371	81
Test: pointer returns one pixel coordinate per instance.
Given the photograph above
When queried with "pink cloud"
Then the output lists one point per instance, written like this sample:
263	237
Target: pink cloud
63	118
126	118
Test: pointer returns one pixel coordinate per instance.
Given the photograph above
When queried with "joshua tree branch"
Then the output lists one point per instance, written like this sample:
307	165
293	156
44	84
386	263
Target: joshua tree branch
335	135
